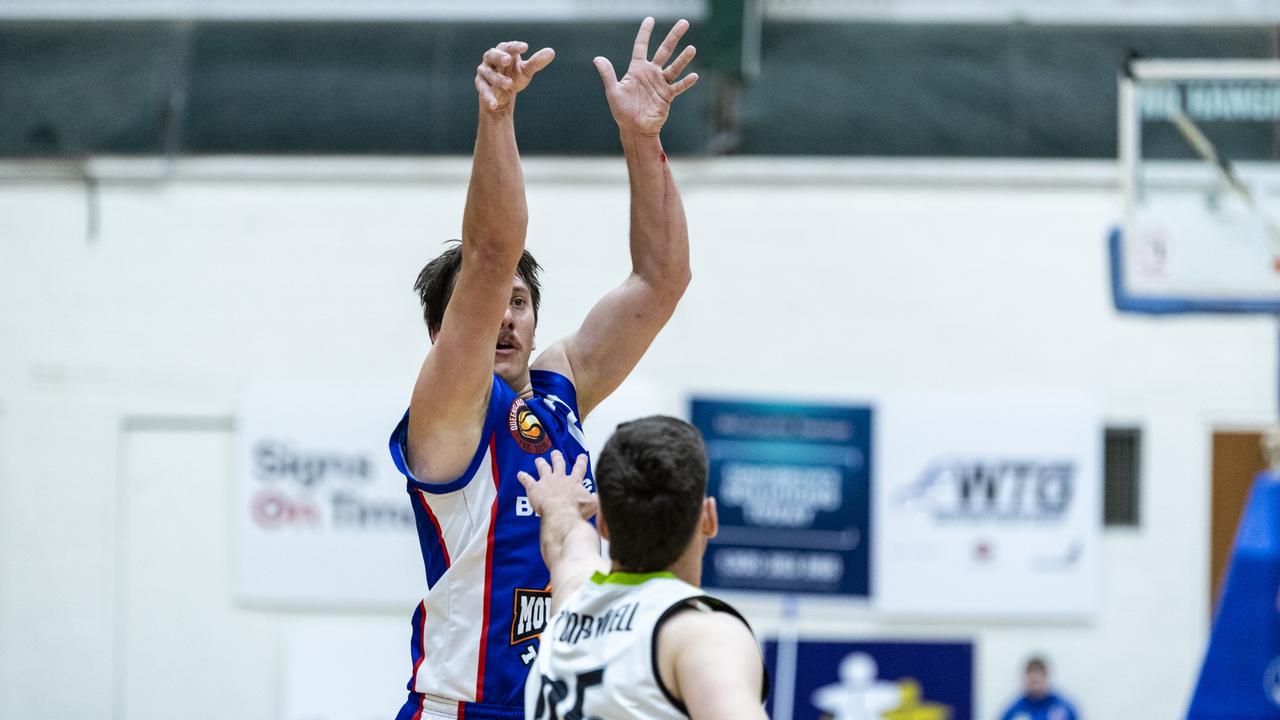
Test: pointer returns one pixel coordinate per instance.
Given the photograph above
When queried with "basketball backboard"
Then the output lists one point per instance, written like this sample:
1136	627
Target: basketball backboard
1197	147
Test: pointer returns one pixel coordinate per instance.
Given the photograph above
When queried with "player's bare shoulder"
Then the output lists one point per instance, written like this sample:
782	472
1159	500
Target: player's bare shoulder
696	625
710	661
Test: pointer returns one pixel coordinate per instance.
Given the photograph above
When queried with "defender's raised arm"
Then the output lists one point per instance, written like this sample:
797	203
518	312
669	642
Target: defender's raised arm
570	546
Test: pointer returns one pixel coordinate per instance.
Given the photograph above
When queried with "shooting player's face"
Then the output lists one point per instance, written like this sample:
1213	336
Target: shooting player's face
515	337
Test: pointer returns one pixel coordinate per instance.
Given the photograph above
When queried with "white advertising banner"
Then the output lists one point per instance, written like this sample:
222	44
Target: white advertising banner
320	515
988	505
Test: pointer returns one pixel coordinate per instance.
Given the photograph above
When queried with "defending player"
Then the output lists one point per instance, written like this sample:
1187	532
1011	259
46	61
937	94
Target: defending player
480	413
642	641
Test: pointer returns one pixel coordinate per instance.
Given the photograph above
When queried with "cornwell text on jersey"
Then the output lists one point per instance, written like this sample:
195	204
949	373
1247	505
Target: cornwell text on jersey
574	627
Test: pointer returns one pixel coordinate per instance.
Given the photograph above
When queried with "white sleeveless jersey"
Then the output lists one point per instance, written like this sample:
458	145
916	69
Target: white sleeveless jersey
597	656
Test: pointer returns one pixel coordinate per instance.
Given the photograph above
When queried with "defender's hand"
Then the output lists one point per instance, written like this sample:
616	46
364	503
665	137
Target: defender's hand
641	99
555	488
503	73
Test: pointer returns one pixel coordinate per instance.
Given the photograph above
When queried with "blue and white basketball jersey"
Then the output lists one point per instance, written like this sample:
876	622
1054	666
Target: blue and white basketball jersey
475	633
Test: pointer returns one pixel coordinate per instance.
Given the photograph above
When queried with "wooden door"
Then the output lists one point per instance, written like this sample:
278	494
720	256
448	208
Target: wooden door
1237	458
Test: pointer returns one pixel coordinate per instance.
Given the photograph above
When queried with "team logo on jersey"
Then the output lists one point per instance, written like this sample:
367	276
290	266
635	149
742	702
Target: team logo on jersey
529	614
527	430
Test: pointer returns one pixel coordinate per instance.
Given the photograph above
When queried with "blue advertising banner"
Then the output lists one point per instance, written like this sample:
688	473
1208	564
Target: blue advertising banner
792	484
871	680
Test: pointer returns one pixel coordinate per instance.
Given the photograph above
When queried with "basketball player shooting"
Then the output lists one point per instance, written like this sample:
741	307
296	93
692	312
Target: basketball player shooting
480	412
636	637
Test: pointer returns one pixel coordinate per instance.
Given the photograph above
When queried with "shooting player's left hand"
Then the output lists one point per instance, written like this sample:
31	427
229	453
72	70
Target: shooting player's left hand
555	487
641	99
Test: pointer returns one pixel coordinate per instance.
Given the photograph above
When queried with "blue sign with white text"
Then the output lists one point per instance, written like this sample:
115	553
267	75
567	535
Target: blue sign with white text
792	484
862	680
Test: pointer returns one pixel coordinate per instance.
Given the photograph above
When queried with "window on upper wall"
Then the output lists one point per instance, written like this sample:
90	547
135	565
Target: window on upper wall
1122	465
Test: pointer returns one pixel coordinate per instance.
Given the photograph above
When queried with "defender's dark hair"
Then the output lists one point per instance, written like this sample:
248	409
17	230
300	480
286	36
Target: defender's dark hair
1037	664
435	283
651	478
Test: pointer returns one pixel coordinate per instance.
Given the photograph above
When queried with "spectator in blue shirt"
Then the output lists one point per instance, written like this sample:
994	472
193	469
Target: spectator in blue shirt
1038	701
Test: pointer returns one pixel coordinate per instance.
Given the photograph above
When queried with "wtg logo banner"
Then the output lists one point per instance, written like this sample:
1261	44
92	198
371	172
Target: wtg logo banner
988	505
320	516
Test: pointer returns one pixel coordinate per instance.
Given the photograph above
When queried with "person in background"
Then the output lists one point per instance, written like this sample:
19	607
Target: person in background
1039	701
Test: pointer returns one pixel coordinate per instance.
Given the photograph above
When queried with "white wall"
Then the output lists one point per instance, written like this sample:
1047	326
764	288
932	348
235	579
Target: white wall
121	356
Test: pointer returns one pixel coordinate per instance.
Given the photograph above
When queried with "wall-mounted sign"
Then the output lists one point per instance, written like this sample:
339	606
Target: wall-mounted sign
792	483
870	680
320	516
988	505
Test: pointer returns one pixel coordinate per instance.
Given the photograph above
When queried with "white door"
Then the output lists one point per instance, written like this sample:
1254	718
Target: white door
183	649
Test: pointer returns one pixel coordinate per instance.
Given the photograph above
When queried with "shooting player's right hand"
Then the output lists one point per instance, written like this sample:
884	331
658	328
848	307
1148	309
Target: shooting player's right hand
503	73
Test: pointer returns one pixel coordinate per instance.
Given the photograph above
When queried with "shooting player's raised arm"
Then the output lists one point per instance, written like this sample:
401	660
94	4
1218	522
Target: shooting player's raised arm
446	414
619	329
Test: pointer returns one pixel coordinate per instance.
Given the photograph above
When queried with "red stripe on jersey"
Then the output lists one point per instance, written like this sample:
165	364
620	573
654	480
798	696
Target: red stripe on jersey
422	633
488	572
493	460
422	500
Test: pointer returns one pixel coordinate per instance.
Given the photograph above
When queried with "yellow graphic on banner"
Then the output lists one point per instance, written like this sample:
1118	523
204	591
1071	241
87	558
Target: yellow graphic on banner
913	708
